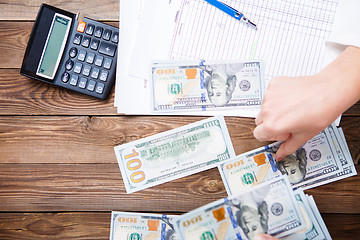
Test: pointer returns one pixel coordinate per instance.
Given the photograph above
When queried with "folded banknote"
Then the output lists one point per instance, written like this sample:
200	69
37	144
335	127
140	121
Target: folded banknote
202	86
174	154
142	226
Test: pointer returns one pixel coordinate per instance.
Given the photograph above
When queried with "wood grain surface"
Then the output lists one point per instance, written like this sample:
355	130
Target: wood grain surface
59	178
96	225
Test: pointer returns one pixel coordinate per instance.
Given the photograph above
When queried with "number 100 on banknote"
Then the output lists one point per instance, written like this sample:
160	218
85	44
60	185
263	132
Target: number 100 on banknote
173	154
190	86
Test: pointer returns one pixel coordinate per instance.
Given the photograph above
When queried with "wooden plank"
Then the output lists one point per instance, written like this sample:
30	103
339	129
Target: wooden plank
65	139
99	187
96	225
351	128
16	10
21	95
14	38
78	225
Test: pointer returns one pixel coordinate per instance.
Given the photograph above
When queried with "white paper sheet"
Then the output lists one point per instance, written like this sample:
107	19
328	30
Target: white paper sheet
290	38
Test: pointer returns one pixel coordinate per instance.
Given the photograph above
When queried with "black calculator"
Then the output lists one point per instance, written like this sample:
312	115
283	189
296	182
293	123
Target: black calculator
77	54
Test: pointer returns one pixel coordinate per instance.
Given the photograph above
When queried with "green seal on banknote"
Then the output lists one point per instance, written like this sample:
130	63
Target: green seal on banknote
248	178
207	236
134	236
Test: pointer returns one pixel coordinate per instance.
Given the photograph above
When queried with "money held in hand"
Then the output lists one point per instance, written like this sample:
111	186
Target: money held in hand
174	154
194	86
323	159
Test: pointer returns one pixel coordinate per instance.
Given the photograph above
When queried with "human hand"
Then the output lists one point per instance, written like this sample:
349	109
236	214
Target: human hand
295	109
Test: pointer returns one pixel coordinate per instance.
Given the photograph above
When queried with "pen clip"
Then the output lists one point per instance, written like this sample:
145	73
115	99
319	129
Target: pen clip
232	11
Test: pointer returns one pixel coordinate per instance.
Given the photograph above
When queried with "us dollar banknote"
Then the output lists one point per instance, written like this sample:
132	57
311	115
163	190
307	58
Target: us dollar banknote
342	151
317	162
270	208
142	226
174	154
313	229
201	86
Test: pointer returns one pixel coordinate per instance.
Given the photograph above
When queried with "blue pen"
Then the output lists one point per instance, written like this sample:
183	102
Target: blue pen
231	11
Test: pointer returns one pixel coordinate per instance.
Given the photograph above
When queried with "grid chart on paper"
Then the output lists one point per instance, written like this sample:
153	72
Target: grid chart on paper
290	35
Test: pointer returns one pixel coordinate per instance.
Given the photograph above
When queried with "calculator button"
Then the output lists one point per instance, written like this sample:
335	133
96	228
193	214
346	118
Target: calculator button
91	85
115	37
86	70
77	39
69	65
103	75
89	29
77	68
99	60
81	27
82	55
90	58
99	88
95	73
74	79
98	31
107	49
73	52
65	77
82	82
94	44
107	34
107	63
86	42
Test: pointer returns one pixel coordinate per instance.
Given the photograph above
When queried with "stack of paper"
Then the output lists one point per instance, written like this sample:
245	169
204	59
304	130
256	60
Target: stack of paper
290	39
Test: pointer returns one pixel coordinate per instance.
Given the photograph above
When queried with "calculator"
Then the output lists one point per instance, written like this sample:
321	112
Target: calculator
77	54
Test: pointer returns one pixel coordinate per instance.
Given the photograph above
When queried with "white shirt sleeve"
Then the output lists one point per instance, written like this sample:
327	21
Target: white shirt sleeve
346	28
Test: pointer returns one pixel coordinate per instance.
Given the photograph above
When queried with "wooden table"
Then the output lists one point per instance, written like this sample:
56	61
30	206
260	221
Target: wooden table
59	177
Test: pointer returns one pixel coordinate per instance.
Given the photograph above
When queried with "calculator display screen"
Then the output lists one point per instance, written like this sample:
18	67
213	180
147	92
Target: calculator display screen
54	46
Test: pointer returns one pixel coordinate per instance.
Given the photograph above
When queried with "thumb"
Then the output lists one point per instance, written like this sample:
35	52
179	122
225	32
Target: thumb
264	237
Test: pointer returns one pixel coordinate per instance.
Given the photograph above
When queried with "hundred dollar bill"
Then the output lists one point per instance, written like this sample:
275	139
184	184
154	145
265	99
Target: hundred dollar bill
241	173
348	168
318	217
174	154
313	230
200	86
144	226
313	164
267	208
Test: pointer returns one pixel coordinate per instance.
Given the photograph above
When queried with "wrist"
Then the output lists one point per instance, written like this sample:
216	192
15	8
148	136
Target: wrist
342	80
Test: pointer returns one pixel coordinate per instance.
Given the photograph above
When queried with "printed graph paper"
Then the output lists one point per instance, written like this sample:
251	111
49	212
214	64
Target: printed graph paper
290	35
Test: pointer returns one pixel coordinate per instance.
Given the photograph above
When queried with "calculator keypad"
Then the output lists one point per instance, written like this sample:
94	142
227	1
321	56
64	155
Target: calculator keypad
91	59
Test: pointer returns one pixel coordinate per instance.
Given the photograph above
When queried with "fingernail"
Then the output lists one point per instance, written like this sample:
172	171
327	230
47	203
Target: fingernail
262	237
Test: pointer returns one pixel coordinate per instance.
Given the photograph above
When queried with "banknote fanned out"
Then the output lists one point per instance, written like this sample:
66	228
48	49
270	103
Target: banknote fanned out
136	226
314	229
200	86
323	159
173	154
270	208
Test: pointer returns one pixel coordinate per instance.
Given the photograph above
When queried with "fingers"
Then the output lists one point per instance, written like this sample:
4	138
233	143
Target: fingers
262	133
264	237
259	119
290	146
